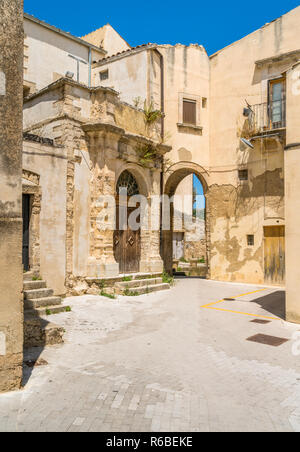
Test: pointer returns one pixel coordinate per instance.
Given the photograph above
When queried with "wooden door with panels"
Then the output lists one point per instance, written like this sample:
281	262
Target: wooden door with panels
127	242
274	254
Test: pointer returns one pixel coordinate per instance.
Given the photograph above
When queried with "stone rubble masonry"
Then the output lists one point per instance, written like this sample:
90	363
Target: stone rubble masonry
11	279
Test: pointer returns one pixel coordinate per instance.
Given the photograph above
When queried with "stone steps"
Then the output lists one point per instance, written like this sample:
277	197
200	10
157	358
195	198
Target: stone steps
48	310
42	302
140	286
31	285
138	283
35	294
40	333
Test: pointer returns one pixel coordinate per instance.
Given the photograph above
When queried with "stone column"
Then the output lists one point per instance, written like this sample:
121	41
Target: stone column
11	272
103	147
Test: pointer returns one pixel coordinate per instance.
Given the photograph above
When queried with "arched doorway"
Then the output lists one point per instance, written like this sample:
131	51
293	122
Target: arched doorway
183	244
127	243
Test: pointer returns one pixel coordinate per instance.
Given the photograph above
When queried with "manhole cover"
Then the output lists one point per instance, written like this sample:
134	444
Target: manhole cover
262	322
267	340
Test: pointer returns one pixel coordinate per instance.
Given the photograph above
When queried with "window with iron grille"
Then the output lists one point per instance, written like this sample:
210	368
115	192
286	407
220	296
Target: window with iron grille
250	240
243	174
104	75
189	111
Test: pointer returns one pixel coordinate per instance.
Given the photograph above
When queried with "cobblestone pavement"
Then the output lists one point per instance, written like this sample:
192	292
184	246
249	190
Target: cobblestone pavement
162	362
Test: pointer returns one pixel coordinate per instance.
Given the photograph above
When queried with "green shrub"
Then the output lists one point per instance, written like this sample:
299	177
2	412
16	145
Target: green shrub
168	279
107	295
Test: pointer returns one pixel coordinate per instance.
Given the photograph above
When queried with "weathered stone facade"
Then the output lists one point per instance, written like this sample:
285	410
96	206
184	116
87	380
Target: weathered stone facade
11	309
88	127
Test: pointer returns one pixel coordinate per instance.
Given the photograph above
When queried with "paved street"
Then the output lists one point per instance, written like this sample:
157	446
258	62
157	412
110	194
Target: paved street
163	362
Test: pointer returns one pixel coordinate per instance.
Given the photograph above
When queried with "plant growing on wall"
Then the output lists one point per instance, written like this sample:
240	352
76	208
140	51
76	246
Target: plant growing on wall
152	115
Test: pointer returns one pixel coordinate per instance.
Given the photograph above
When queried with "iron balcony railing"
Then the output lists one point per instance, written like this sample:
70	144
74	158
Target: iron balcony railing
267	116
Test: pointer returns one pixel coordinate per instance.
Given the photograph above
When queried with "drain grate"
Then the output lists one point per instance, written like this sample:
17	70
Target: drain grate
262	322
267	340
229	299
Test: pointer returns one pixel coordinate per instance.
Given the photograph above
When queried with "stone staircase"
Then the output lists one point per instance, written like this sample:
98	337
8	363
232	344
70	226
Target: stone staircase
137	287
40	301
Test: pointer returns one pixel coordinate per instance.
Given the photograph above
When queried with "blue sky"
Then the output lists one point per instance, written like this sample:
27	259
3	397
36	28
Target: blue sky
213	24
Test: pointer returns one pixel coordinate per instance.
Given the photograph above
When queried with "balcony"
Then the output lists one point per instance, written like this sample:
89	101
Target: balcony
267	117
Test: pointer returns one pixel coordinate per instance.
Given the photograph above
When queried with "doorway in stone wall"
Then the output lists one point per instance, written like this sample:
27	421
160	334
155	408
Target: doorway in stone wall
274	254
186	189
127	242
26	231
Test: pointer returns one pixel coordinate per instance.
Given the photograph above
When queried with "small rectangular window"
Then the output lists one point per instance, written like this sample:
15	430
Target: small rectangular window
243	174
104	75
189	111
204	102
250	240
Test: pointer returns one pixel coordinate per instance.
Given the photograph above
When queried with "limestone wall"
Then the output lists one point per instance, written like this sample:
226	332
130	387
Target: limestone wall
11	273
292	190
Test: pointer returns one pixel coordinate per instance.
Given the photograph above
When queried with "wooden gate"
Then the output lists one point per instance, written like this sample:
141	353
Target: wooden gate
127	247
127	243
274	251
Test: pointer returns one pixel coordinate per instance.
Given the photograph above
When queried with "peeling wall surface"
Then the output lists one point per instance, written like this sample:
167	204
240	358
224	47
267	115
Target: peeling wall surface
241	208
11	273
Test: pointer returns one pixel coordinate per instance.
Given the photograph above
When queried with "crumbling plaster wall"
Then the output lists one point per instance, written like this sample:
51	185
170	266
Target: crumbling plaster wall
238	209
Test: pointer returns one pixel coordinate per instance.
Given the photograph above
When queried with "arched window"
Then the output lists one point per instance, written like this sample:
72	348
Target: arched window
126	180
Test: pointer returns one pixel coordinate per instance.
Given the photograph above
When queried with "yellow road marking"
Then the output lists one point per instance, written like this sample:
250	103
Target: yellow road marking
210	306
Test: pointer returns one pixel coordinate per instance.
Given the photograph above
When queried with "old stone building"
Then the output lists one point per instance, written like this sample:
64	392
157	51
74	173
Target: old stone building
100	116
92	114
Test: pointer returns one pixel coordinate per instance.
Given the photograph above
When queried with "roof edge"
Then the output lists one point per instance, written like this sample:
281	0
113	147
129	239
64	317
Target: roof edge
64	33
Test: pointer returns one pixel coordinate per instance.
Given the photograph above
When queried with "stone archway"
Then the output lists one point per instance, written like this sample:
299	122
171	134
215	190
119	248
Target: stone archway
175	174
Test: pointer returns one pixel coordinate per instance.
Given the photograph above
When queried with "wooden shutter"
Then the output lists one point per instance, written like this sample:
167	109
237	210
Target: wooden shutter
189	111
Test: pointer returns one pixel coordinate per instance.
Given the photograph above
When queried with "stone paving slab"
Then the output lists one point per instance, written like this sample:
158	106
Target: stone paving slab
163	363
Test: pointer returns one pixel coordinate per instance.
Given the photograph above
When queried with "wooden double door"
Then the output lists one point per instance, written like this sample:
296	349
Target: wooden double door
127	246
274	251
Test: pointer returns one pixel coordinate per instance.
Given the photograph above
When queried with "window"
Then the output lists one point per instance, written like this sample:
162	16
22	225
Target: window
189	111
204	102
277	103
243	174
104	75
250	240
